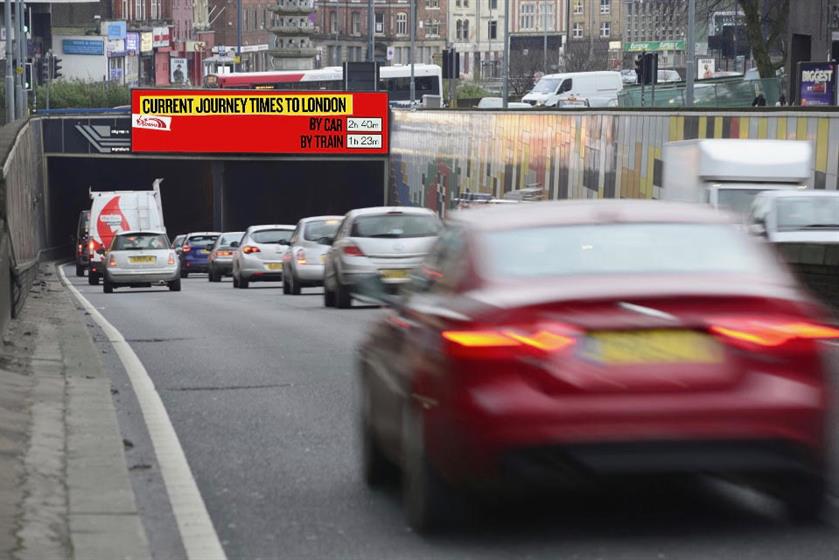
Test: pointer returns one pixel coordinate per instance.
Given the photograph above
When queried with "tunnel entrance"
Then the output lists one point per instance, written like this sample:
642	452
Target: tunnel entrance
204	193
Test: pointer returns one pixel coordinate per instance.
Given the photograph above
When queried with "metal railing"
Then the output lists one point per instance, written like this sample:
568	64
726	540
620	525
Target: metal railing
717	93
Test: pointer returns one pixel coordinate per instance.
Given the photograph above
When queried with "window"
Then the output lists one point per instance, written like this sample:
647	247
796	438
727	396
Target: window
577	31
578	8
321	230
493	4
526	19
546	16
380	22
333	22
245	19
459	30
125	9
140	242
402	23
432	28
465	3
432	3
605	29
457	3
465	29
356	23
492	28
605	6
274	236
138	9
396	226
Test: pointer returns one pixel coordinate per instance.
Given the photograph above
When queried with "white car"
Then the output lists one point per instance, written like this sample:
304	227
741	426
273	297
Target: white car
140	259
259	256
303	262
381	245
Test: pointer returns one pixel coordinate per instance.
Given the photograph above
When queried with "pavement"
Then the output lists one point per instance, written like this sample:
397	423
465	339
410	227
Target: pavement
65	487
260	391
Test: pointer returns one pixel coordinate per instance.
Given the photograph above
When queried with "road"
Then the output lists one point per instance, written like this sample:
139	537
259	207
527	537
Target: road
260	389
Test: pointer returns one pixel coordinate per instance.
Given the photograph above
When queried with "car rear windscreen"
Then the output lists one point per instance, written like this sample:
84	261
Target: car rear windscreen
140	242
652	248
396	226
202	241
271	235
808	213
229	238
320	229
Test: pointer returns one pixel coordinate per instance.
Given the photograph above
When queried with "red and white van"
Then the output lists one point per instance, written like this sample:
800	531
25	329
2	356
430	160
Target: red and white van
115	211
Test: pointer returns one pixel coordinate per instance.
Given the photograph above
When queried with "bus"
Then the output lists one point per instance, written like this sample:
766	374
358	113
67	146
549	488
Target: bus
396	80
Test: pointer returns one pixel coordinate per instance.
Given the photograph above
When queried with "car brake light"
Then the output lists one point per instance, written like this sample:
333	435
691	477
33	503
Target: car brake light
352	251
301	256
543	338
754	333
248	249
186	248
171	258
91	247
112	261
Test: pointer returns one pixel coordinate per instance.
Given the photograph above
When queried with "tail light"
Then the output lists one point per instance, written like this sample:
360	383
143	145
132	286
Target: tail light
186	248
112	261
300	256
81	248
171	258
91	246
353	250
250	249
540	339
761	333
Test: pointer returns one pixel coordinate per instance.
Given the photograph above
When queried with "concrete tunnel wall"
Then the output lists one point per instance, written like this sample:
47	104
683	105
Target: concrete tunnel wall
588	154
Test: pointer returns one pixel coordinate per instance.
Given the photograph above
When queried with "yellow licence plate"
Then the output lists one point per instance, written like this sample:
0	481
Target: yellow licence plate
652	347
274	266
394	274
141	260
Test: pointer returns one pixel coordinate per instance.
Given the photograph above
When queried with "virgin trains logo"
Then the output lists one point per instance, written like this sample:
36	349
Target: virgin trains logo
153	123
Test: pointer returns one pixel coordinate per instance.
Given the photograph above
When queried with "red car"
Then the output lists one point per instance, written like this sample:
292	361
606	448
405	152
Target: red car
588	338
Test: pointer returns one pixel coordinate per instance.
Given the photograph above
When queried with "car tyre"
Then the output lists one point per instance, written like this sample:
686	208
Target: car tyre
294	284
805	498
235	281
79	270
286	283
375	466
93	278
244	283
328	296
343	298
426	498
175	285
107	286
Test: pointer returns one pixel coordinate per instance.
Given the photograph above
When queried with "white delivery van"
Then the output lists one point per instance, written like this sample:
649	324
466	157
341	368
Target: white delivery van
600	89
729	173
790	216
115	211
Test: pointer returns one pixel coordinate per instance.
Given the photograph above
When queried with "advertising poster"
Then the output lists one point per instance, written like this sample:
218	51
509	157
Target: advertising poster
705	68
178	71
237	121
146	42
817	83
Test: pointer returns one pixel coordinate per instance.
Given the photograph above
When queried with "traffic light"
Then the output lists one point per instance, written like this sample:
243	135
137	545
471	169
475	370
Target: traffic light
27	77
43	70
451	64
56	67
639	69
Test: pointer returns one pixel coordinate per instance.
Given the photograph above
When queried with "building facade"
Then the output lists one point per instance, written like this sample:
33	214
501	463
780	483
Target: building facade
341	33
660	24
257	39
594	35
476	31
293	27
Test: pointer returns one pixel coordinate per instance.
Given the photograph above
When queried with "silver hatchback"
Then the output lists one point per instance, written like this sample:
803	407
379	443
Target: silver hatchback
140	259
380	244
303	262
259	257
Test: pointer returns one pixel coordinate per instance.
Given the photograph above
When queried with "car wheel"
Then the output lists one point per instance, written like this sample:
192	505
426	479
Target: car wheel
107	287
286	283
294	284
328	296
79	270
244	283
376	468
426	497
235	281
805	498
175	285
343	299
93	278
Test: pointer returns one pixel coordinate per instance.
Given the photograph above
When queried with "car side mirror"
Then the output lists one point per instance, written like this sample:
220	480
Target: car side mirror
234	244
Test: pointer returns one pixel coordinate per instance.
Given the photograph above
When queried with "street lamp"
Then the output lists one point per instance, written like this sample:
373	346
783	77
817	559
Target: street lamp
691	53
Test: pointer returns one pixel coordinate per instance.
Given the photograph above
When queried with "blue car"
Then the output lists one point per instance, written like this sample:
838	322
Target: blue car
195	251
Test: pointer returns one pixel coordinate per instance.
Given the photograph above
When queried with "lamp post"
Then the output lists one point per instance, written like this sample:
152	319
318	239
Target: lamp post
10	77
20	91
691	53
238	35
545	37
371	32
505	88
413	48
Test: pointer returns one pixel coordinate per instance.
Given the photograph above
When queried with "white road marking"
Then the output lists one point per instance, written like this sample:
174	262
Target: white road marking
197	532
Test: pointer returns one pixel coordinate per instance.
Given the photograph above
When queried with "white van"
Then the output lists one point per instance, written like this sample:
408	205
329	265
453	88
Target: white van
787	217
600	89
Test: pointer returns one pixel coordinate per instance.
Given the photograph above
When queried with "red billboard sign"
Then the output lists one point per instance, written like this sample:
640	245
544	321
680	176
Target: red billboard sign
263	122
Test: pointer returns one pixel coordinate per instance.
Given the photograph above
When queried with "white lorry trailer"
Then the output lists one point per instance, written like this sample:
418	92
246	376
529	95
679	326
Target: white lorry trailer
729	173
115	211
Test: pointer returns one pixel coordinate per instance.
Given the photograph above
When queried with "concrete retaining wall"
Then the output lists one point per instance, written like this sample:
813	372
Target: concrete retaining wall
609	154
